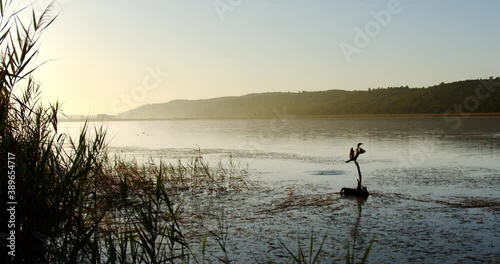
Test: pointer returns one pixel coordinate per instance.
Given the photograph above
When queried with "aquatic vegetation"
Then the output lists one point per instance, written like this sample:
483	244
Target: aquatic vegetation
74	203
301	257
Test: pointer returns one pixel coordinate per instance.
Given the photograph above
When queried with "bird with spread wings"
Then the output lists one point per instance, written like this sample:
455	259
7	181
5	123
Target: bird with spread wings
354	154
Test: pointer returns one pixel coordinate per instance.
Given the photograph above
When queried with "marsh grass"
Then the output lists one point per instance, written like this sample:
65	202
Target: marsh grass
350	256
52	187
146	212
74	203
301	257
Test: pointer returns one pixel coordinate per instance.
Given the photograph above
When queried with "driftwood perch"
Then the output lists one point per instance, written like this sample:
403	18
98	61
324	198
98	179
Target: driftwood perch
359	191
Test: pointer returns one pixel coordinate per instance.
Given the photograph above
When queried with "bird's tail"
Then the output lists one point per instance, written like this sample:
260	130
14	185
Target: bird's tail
347	161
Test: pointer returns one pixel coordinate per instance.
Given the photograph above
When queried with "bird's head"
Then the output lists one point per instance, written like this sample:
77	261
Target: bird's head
359	144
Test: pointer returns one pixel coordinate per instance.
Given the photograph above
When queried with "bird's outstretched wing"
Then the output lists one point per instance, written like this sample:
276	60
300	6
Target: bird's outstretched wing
361	151
351	154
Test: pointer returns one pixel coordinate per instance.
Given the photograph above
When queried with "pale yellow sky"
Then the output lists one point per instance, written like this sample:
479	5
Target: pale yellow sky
111	56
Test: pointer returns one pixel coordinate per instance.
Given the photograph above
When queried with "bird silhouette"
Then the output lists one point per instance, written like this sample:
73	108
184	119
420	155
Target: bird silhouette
354	154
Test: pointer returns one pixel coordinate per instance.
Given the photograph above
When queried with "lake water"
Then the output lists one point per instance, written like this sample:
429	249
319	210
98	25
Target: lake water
435	188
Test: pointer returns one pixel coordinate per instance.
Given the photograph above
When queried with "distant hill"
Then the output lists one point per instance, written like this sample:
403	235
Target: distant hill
480	96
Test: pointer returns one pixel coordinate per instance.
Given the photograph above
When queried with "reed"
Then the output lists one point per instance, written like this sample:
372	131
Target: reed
75	203
301	257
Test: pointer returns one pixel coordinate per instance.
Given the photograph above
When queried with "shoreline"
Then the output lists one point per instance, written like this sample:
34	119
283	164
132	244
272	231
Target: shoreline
296	117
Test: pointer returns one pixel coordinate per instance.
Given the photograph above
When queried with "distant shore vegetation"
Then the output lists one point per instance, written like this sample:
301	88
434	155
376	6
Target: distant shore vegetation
478	97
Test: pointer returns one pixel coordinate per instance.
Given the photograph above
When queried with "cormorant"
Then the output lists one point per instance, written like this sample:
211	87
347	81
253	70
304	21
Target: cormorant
353	155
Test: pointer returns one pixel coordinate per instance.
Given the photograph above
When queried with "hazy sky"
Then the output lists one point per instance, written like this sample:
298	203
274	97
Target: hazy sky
110	56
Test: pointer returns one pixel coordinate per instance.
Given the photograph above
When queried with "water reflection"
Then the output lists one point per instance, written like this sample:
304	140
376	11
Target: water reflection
354	252
317	137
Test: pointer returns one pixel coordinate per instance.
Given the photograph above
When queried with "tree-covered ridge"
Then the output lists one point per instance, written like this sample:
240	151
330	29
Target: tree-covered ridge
479	96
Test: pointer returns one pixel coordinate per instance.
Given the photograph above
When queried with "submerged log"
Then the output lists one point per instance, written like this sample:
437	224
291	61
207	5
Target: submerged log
359	191
362	192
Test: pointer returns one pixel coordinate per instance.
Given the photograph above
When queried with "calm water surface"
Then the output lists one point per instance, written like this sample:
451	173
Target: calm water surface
435	187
